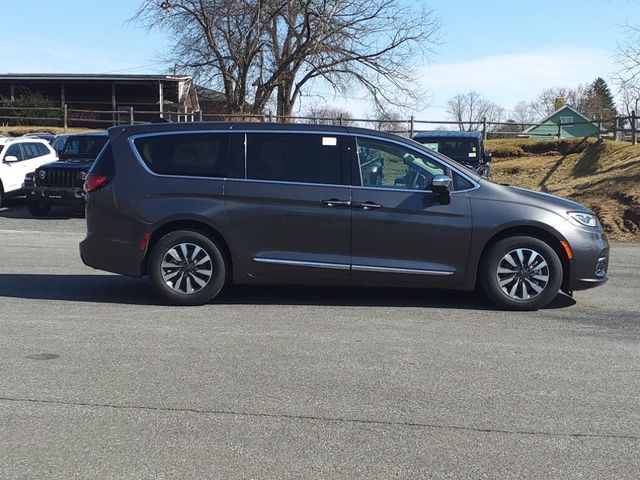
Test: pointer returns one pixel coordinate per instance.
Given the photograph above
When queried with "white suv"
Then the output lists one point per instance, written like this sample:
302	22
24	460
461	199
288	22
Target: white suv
19	156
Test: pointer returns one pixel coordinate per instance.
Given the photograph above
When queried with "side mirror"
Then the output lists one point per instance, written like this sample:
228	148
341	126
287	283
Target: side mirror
487	157
440	184
10	159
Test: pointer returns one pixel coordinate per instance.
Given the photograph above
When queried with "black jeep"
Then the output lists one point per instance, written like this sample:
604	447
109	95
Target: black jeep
466	148
60	182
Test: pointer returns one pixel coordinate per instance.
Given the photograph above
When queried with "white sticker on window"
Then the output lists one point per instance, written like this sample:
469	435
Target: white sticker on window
329	141
472	154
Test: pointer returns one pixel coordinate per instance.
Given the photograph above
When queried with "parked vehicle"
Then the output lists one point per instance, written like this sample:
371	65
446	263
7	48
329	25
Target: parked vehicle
466	148
58	142
43	135
60	182
197	206
19	156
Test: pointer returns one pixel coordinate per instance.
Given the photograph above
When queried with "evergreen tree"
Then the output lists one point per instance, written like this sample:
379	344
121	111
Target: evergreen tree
601	103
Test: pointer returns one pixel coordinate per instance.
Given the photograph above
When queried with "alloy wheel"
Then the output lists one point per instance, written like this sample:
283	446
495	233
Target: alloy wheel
186	268
523	274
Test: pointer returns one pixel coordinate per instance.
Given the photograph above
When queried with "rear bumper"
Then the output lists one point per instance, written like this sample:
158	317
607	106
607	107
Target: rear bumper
112	255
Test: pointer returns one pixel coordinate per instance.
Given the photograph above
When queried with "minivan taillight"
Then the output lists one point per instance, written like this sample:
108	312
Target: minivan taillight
94	181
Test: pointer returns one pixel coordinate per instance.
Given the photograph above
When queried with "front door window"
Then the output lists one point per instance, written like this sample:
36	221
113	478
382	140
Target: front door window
387	165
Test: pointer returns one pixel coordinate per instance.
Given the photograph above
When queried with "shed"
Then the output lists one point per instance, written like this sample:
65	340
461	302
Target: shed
566	120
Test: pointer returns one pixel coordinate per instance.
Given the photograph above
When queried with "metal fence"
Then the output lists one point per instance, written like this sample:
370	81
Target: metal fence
621	128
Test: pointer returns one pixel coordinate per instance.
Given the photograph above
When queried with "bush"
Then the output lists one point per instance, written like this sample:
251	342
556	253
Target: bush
20	106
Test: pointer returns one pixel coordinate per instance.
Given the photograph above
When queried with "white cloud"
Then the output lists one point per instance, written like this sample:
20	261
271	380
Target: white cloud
509	78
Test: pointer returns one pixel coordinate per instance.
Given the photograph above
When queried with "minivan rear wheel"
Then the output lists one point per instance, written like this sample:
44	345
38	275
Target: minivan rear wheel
521	273
187	268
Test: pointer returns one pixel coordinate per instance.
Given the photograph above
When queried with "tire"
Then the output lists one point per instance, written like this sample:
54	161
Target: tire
38	209
1	196
202	270
521	273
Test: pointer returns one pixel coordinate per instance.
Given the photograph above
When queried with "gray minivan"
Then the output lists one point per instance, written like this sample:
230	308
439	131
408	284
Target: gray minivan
198	205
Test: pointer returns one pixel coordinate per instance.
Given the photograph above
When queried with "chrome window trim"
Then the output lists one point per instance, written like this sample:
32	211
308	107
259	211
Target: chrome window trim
415	271
300	263
285	182
245	132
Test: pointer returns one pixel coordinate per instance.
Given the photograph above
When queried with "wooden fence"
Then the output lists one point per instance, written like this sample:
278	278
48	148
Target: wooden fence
621	128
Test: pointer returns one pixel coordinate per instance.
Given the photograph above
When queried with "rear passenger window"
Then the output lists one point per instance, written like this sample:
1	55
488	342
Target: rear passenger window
304	158
188	154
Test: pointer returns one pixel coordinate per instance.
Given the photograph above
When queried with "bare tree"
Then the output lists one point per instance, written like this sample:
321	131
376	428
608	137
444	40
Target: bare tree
628	76
524	113
578	97
629	97
469	110
254	49
387	120
628	55
327	115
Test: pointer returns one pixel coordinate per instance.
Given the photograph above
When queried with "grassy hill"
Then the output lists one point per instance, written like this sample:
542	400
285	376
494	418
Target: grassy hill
603	175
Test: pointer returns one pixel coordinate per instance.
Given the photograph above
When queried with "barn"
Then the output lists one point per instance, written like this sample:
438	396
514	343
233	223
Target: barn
101	97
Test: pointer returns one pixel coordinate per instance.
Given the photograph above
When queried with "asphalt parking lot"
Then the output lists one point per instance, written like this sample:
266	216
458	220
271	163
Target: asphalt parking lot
98	380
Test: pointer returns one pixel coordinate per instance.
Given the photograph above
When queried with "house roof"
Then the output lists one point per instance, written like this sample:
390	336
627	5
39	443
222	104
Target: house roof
92	76
564	107
209	95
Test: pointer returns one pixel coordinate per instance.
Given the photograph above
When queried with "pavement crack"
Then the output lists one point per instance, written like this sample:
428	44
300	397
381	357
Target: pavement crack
322	419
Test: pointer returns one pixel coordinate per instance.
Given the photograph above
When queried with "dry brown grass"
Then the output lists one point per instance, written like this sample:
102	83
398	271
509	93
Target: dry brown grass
603	175
18	131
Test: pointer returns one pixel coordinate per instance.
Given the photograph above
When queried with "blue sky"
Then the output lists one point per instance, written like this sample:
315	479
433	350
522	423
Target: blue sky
508	50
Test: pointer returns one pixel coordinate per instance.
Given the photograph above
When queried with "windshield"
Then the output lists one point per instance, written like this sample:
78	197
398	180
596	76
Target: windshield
461	150
85	147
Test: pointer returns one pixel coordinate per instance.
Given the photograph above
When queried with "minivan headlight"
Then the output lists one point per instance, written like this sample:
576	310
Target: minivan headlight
583	218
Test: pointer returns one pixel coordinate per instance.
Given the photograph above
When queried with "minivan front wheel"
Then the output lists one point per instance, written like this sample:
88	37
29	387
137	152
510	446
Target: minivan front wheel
186	268
521	273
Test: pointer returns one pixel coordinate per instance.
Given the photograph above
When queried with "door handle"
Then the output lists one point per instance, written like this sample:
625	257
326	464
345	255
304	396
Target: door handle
367	205
333	202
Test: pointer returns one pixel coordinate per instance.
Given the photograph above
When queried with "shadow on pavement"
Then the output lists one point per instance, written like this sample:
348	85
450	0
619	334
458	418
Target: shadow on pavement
124	290
16	208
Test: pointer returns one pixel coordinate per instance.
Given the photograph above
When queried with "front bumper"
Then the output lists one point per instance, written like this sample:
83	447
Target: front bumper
590	263
66	196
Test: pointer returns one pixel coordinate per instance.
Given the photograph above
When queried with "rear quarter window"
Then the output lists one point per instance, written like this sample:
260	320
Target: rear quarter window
104	164
188	154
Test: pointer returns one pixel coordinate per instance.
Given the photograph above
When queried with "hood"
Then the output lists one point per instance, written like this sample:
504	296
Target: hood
547	201
76	158
77	165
